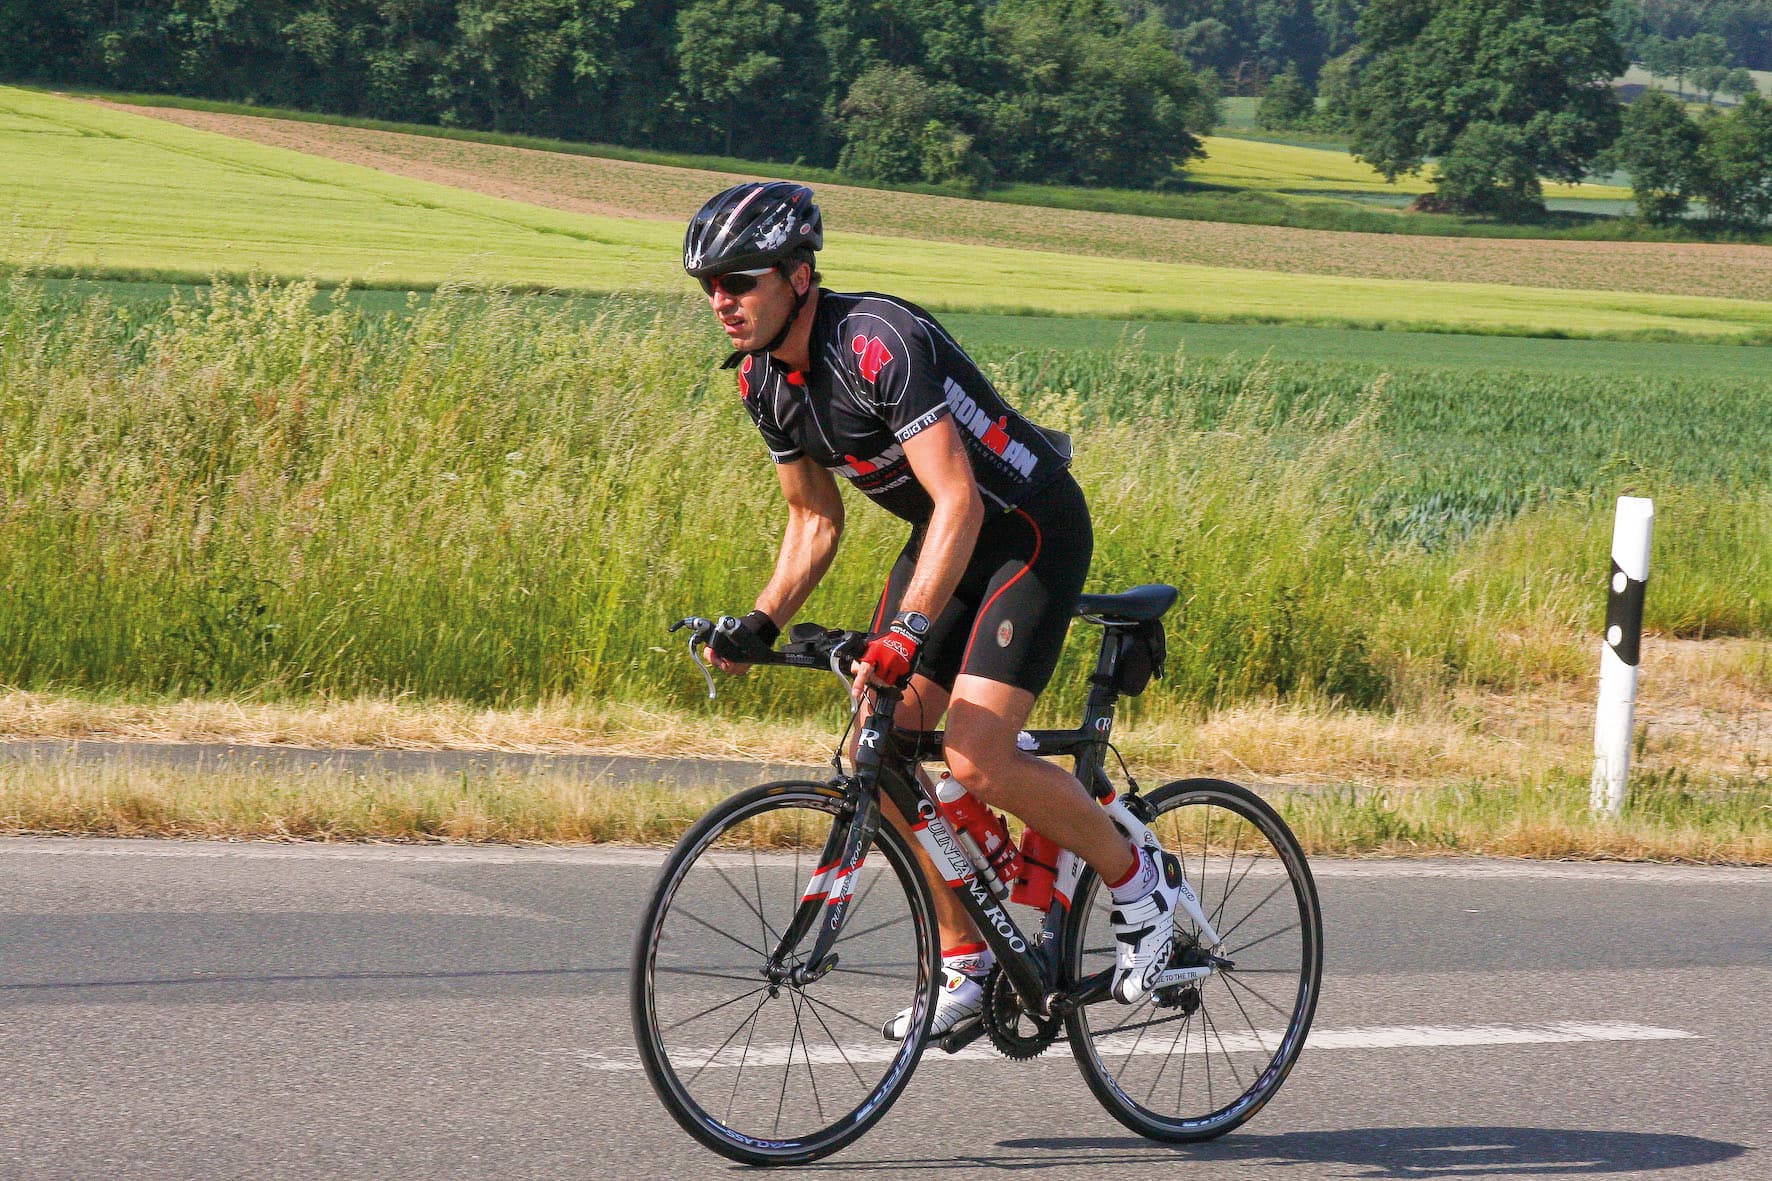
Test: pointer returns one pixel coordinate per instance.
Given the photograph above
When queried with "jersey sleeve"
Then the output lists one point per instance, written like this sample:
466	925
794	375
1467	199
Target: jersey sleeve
781	448
892	358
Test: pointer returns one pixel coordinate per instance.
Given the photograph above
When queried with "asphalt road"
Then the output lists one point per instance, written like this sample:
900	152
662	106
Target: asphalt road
195	1010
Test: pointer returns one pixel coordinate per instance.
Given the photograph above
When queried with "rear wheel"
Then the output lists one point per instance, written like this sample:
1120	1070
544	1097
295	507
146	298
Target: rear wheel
1193	1061
778	1073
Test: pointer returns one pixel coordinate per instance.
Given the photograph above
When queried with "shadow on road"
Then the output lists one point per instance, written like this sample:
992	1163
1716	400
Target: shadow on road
1413	1152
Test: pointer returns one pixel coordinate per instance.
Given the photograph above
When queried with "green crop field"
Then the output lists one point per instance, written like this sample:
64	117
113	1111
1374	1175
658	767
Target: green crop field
1259	164
116	193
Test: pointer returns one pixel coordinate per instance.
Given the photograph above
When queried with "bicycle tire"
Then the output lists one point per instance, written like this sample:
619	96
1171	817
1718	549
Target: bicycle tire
708	928
1223	834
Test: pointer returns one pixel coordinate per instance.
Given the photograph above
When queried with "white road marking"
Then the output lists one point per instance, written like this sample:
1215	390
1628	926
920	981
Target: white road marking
1370	1037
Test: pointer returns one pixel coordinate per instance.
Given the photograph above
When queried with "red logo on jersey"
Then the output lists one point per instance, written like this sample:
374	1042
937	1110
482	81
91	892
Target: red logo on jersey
996	437
744	378
873	353
860	467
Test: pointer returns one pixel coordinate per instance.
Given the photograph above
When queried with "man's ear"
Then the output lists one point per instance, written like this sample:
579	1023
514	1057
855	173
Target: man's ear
802	279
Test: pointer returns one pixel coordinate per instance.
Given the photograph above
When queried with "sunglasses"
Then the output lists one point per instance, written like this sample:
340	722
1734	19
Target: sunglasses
736	283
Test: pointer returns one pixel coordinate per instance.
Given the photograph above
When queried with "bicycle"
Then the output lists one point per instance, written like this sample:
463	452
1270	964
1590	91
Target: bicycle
756	1000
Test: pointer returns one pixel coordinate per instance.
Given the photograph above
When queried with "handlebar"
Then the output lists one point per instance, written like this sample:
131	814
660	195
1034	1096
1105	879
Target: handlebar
809	645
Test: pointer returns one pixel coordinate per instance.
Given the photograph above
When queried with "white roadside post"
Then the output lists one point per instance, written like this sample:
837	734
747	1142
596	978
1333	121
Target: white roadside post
1619	653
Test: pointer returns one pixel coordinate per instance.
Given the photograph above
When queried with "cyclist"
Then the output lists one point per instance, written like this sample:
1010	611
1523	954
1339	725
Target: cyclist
976	606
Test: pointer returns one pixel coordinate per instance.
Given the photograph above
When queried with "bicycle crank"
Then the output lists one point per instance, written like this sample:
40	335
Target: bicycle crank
1012	1029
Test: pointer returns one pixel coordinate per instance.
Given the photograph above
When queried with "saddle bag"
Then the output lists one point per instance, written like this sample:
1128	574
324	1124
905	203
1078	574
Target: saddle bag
1142	650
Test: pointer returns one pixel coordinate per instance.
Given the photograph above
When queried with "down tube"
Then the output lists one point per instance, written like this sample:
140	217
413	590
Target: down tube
1014	952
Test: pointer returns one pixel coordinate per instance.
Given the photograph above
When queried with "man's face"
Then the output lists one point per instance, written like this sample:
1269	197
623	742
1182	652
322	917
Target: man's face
752	318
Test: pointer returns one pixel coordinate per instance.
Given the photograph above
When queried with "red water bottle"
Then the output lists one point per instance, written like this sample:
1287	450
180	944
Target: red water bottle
982	833
1039	869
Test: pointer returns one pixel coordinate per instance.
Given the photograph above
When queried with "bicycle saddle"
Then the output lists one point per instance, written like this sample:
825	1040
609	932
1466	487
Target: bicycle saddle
1138	605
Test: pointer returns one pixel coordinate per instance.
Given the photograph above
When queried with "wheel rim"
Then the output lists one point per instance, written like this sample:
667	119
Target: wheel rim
780	1070
1204	1058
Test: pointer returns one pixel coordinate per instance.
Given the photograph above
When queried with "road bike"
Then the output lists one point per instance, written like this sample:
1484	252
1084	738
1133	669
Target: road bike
792	920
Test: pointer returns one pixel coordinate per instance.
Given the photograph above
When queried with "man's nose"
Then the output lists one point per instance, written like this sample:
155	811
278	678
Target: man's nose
720	299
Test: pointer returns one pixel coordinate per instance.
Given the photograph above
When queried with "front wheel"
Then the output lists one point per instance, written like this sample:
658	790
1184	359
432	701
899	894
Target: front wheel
1192	1061
771	1072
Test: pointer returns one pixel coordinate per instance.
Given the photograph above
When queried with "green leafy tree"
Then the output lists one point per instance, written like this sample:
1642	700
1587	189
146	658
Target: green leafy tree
1737	164
1532	72
1709	80
884	117
1335	86
1660	148
1739	82
1091	99
1287	102
732	58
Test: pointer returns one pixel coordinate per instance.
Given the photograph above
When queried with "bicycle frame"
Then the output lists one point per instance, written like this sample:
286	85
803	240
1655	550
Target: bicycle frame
885	762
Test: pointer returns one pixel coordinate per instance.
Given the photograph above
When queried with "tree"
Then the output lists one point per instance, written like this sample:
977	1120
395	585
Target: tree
1533	72
1739	82
1660	148
1737	164
1287	102
1091	100
899	127
731	64
1709	80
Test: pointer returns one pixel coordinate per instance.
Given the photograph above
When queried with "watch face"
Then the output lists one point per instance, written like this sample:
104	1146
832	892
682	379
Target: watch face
916	621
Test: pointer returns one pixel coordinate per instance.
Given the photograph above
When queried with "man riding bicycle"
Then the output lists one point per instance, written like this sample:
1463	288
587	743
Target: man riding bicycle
976	606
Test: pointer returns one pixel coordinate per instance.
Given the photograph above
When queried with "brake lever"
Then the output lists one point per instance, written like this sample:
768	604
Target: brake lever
701	632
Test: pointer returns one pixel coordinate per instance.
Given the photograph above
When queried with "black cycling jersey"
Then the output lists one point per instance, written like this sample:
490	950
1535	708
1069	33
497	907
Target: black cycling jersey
882	371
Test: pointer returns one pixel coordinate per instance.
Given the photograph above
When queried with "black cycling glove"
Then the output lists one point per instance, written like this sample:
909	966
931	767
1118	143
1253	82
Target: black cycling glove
747	640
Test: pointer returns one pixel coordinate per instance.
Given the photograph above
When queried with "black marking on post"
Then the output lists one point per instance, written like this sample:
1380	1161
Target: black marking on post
1624	610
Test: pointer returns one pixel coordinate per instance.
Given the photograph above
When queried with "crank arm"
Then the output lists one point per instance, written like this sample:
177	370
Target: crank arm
1176	976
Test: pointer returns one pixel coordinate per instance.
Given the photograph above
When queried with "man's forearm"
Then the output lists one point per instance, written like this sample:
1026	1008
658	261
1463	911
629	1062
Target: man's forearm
807	548
947	549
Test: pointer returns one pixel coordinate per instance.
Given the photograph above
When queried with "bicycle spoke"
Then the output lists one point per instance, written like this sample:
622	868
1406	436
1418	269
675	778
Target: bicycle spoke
881	926
800	1032
743	1057
873	1025
1232	889
866	972
1253	1032
1231	979
743	996
1229	866
716	1054
1164	1065
1243	947
1285	884
739	894
706	975
816	1016
724	934
1219	1038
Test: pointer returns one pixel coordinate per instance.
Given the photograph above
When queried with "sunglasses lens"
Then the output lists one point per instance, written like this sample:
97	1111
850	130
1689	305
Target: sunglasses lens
734	284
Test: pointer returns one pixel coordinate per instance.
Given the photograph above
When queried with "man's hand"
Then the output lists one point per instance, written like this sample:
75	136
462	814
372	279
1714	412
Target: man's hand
735	648
888	659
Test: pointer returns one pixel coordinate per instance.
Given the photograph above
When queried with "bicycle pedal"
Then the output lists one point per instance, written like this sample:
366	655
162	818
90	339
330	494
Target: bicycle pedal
956	1040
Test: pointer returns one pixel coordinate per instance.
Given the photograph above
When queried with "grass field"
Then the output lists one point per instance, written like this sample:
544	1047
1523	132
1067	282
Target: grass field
1260	164
110	191
579	184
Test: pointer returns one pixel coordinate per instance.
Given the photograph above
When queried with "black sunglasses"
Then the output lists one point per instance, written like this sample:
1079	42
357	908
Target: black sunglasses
736	283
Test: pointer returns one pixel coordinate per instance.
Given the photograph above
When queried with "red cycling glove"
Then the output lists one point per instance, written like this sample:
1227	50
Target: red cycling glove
893	654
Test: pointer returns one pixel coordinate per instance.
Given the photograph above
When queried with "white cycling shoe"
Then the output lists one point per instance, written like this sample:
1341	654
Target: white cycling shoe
959	1003
1144	929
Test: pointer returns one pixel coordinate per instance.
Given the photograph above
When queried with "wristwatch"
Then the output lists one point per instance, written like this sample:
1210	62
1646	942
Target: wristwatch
914	622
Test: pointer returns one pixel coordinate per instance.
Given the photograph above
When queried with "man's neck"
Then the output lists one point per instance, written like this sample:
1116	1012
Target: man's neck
796	351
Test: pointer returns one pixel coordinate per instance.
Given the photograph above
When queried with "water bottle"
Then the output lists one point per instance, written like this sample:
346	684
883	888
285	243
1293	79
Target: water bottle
982	833
1039	869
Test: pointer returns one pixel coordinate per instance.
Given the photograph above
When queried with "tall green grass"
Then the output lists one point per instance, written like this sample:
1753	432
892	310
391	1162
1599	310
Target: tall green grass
264	491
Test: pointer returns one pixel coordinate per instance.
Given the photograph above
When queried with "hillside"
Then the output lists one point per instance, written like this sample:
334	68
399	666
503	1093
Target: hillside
617	188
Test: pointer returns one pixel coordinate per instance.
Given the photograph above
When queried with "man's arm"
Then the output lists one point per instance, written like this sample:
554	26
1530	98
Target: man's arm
939	460
815	523
941	465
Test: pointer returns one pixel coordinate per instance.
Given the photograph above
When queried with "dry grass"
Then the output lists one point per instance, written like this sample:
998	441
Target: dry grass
619	188
1704	708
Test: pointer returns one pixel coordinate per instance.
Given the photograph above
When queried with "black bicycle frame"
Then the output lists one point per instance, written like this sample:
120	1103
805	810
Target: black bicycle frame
885	761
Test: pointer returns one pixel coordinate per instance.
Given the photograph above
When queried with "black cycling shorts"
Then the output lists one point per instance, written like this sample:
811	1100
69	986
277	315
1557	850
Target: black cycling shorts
1008	617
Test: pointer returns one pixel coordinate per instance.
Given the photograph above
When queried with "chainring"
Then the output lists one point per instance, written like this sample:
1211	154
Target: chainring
1015	1032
